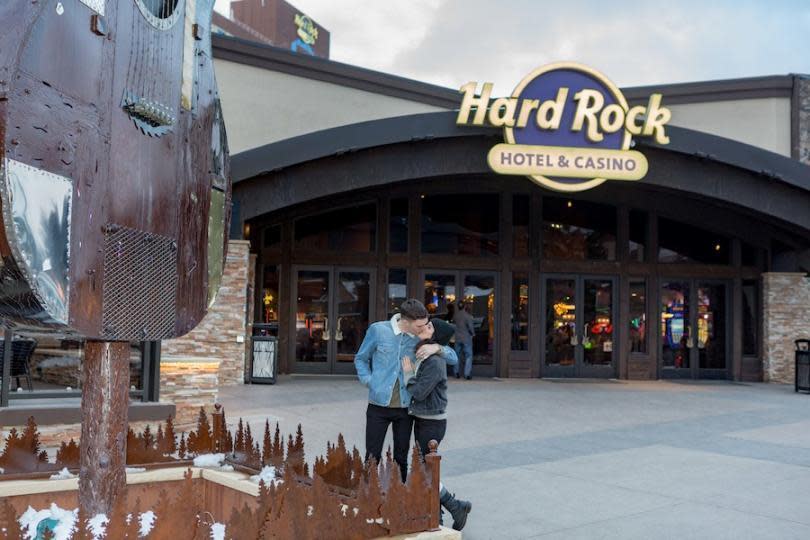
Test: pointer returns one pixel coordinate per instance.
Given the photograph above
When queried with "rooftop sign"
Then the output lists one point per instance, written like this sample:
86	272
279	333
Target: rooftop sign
566	126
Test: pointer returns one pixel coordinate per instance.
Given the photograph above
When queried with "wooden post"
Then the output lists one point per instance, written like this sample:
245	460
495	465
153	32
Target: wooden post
105	403
218	425
433	461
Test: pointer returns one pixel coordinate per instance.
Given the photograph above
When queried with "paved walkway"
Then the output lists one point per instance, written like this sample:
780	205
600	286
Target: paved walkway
547	459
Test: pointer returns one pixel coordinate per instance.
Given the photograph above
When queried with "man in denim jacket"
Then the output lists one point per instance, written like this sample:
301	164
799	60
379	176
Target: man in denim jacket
379	366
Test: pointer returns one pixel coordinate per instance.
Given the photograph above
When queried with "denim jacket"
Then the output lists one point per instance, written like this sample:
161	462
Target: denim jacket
379	361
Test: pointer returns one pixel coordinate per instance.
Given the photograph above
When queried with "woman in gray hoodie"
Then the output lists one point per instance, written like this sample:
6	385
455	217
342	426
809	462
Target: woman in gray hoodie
427	383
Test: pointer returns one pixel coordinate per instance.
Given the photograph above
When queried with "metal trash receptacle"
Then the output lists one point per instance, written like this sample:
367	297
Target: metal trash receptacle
802	365
264	366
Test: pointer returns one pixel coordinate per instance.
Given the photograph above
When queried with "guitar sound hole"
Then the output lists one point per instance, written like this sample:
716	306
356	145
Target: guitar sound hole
161	9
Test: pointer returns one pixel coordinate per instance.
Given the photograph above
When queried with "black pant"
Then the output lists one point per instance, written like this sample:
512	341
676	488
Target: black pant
424	430
377	420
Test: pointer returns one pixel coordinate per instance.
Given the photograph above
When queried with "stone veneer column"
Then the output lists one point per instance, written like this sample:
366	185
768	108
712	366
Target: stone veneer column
785	318
804	119
221	333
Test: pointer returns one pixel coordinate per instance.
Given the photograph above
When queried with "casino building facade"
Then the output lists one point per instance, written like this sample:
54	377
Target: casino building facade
355	189
697	271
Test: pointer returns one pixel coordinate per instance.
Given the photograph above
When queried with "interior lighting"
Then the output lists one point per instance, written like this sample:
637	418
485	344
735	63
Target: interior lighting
570	204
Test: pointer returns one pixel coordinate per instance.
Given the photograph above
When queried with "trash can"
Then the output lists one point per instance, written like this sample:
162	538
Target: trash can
803	365
265	353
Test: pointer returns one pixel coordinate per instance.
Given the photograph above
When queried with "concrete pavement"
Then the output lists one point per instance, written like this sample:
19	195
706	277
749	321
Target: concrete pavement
590	459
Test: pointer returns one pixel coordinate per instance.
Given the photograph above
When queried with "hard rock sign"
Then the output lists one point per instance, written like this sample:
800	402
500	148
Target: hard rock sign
114	188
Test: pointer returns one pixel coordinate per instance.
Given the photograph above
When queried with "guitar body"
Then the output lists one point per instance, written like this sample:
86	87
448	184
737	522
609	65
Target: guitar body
114	186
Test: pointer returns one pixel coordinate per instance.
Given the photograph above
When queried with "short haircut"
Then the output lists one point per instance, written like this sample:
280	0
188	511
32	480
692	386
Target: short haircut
413	310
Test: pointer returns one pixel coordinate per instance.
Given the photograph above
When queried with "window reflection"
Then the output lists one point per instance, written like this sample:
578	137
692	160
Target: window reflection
683	243
462	224
352	229
520	225
397	289
676	339
46	362
638	235
638	317
520	312
398	227
578	230
269	301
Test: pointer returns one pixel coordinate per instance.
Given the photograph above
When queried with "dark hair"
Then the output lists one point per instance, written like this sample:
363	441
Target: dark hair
413	310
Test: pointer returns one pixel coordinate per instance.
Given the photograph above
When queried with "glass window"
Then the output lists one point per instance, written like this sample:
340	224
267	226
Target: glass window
397	289
463	224
638	316
398	226
52	363
479	301
270	297
272	237
750	310
638	235
750	254
352	229
682	243
578	230
520	225
440	295
520	312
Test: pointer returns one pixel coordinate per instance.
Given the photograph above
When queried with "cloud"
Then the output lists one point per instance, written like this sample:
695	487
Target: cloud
451	42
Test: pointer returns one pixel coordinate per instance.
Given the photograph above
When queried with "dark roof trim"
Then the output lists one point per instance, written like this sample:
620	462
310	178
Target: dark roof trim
707	91
272	58
276	59
364	135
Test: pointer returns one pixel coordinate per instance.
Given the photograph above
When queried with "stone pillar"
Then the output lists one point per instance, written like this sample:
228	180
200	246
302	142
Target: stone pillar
221	335
189	383
785	318
803	113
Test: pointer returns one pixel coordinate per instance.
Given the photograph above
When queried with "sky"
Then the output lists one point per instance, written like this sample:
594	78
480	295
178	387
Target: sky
634	43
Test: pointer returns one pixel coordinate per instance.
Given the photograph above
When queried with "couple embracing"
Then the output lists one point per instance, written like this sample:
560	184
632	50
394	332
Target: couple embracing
403	362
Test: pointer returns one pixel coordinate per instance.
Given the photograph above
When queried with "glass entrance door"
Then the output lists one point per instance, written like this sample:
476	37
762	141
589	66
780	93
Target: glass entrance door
444	293
332	314
694	329
578	326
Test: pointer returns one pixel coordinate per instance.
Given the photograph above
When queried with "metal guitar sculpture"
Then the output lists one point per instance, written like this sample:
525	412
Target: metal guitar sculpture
114	189
114	185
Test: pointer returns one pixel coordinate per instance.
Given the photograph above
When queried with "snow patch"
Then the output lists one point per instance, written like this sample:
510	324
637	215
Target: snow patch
218	531
268	474
147	522
98	525
209	460
133	470
65	520
64	474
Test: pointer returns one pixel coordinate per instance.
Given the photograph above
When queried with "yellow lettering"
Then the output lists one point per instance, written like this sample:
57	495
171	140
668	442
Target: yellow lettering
589	102
631	120
657	116
555	107
502	112
470	100
526	109
611	119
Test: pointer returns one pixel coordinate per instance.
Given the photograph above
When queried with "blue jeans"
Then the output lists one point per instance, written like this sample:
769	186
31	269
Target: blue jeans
465	358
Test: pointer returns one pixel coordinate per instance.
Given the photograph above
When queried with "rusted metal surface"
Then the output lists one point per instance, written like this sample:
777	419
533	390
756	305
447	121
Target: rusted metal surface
105	400
343	497
114	105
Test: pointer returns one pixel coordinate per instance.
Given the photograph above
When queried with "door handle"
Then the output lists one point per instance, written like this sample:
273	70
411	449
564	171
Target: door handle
575	339
326	334
338	332
689	343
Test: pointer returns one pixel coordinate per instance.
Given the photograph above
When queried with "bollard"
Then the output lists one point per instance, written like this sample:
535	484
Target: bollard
433	461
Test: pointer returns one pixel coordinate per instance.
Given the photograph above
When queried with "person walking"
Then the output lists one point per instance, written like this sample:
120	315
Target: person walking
465	330
427	382
379	367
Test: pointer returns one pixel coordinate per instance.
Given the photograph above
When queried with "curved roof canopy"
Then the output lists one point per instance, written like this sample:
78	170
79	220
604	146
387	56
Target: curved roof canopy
337	160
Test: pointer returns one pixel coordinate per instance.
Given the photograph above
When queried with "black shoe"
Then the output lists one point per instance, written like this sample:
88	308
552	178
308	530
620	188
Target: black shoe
458	509
458	375
468	377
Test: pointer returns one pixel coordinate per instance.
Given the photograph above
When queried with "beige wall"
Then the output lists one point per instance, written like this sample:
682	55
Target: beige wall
262	106
760	122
